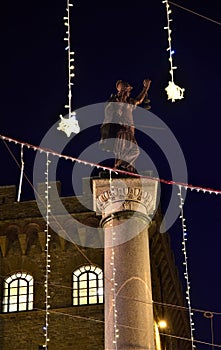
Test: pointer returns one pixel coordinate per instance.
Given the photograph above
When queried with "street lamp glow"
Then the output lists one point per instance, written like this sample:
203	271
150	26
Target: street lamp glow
162	324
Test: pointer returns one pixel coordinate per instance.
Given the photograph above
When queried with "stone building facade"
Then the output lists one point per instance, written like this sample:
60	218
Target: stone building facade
72	325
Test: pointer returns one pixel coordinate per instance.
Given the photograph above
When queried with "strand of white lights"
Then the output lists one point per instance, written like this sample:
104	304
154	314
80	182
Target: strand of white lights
186	274
48	257
174	92
21	175
70	124
98	166
113	279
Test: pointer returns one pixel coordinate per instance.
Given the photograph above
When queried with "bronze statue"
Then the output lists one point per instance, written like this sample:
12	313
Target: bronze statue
117	131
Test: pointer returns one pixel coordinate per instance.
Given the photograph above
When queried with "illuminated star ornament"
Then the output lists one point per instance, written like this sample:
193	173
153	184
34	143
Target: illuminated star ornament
174	92
69	124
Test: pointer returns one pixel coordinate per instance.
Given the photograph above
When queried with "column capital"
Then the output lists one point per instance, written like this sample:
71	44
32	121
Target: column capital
123	194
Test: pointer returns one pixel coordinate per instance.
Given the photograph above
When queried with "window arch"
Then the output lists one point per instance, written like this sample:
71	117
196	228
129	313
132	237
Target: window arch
18	292
88	285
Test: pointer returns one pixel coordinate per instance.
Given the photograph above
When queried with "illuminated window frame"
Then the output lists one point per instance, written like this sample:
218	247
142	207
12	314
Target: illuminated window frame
88	285
18	292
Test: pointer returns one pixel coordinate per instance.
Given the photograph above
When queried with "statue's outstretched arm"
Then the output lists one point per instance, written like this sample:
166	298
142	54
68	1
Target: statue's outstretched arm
146	85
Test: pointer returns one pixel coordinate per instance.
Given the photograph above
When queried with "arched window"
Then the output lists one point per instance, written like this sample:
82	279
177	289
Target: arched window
88	285
18	292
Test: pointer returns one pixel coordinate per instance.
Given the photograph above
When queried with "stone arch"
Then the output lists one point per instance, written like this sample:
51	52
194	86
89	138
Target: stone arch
31	236
12	229
12	233
32	227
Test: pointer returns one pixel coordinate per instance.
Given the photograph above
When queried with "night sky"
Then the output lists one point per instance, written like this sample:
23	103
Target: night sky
120	40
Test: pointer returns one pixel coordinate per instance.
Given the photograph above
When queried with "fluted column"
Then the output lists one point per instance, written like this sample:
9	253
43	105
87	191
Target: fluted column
127	205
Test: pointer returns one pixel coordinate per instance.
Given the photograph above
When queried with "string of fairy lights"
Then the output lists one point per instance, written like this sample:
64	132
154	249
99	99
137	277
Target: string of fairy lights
205	190
113	278
69	124
185	263
47	254
70	58
174	92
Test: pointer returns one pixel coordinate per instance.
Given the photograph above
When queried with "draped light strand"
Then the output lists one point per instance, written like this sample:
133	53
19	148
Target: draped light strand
186	274
98	166
174	92
21	175
113	278
69	124
48	257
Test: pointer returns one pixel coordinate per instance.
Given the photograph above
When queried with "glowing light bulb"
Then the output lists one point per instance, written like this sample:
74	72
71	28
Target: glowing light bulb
162	324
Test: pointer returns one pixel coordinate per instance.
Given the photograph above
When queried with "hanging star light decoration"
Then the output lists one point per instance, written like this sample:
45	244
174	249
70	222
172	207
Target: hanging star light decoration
69	124
174	92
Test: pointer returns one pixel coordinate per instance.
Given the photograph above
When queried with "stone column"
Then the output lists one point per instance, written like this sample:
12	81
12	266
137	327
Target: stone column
127	205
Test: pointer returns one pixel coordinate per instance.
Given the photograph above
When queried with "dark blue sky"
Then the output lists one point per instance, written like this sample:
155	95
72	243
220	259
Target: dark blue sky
120	40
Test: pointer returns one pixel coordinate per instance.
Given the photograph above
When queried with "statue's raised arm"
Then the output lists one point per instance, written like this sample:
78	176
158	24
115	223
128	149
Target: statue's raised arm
143	94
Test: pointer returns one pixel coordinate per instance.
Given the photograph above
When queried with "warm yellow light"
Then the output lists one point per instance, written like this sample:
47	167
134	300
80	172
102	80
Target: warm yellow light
162	324
174	92
69	125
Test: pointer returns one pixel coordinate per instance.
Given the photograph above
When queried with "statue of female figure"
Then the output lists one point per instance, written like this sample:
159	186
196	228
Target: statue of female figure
117	131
